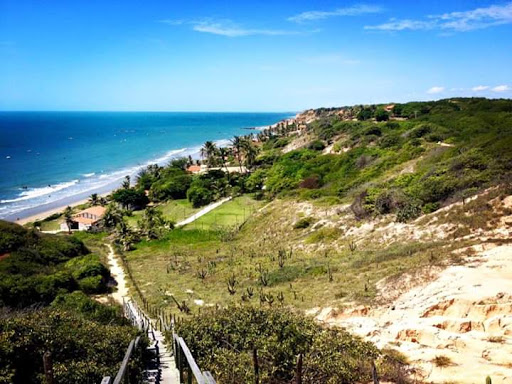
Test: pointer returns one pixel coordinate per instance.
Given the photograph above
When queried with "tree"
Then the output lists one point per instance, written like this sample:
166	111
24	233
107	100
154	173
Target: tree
68	217
223	153
130	198
126	182
209	152
94	200
153	225
112	216
199	196
381	115
250	151
125	236
237	142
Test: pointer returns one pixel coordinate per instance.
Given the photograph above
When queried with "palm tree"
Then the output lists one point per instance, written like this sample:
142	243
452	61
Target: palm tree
209	152
112	217
94	200
126	182
125	235
223	153
237	143
68	216
250	151
153	225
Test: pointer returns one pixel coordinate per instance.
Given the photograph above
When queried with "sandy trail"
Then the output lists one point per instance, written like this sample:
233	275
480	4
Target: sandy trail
117	273
464	314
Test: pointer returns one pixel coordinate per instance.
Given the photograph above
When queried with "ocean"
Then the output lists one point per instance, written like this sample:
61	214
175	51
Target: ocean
51	159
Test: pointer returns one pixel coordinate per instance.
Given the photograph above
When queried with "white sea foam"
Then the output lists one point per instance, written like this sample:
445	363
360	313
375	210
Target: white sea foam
36	196
38	192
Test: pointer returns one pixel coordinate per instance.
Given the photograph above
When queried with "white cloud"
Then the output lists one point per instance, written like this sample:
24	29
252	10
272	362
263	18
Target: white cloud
400	25
355	10
231	30
435	90
480	88
501	88
228	28
478	18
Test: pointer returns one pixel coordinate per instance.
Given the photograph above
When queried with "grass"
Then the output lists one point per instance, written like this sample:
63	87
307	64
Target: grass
175	210
195	264
442	361
232	213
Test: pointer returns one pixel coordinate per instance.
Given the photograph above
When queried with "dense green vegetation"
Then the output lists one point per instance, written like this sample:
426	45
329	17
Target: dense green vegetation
85	345
52	275
229	338
37	267
463	145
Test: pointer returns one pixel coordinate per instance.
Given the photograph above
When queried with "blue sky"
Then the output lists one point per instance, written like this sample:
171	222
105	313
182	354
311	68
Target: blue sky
249	55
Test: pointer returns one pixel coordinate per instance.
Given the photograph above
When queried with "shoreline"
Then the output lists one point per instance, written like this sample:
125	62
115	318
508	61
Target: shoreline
45	214
42	211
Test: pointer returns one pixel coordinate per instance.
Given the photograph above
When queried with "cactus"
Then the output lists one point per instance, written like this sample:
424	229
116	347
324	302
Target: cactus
232	284
280	297
264	278
202	273
250	292
488	380
329	272
352	246
281	257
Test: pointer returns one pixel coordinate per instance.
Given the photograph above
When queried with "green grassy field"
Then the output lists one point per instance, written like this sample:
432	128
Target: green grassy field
232	213
175	210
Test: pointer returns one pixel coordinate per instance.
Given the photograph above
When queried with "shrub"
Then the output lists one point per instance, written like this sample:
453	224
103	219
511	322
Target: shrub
303	223
409	211
92	284
311	182
381	115
199	196
316	145
229	336
83	351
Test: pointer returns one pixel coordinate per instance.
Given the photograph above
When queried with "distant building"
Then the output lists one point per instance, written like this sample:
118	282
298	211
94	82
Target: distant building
85	220
389	108
194	169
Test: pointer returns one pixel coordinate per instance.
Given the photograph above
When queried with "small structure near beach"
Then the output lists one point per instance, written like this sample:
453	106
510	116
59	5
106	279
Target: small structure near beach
85	220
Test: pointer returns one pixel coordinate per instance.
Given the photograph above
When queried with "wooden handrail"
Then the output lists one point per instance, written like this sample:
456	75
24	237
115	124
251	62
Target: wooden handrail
181	351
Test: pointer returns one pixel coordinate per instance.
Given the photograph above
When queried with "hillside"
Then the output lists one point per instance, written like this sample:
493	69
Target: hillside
392	221
360	212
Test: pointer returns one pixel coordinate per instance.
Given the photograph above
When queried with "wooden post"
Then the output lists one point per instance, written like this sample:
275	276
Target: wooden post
375	375
298	372
256	366
48	367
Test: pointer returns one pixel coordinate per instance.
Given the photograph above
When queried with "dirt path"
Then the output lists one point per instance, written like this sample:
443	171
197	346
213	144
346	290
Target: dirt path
117	273
465	314
203	212
169	373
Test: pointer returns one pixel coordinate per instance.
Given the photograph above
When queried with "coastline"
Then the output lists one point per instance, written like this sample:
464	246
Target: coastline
45	214
43	210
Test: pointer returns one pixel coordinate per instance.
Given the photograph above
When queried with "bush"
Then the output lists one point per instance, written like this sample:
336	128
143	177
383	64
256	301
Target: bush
316	145
303	223
199	196
83	351
79	303
229	336
92	284
409	211
381	115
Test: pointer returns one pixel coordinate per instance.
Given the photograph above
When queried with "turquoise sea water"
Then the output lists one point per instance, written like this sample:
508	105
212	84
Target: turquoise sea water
49	159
